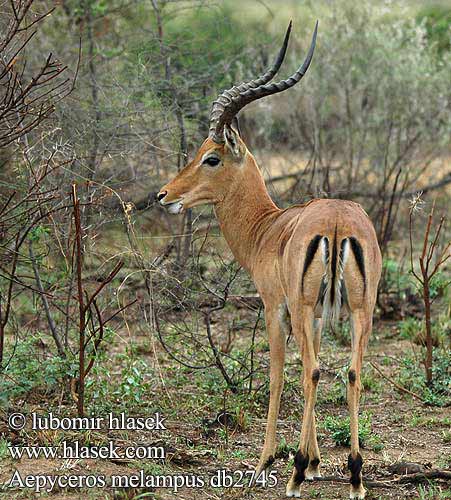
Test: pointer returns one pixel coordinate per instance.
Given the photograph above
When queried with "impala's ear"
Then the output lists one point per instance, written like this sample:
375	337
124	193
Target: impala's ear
232	141
236	125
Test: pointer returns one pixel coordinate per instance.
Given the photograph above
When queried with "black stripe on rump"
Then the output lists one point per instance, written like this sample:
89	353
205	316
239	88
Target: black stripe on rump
357	250
311	251
333	266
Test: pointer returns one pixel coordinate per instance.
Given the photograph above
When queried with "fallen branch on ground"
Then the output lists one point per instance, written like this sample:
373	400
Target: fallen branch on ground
395	384
419	477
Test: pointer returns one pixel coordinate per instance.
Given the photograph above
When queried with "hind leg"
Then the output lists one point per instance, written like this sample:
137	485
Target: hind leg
313	469
302	323
361	323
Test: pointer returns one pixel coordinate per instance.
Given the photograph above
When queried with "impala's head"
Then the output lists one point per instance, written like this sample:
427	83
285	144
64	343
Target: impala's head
208	177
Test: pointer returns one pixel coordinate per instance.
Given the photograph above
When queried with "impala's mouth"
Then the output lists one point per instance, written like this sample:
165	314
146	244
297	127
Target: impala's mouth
174	207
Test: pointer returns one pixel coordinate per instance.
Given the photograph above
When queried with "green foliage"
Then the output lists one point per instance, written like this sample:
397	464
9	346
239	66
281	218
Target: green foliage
339	429
37	232
439	284
151	468
411	376
30	371
335	393
132	385
196	47
437	20
379	85
97	8
201	30
409	328
370	380
445	462
396	278
446	437
4	453
341	333
413	329
106	391
284	449
365	110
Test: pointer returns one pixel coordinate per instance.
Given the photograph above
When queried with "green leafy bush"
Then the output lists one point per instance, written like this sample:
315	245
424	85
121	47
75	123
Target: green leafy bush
411	376
439	284
113	392
28	370
339	428
370	380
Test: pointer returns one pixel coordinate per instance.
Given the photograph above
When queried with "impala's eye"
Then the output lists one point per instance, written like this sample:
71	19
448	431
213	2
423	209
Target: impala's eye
212	161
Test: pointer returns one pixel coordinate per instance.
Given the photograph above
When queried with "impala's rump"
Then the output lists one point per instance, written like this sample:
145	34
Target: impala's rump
333	264
332	293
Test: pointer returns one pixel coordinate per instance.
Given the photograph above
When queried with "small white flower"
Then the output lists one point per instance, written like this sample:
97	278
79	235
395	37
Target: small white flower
416	203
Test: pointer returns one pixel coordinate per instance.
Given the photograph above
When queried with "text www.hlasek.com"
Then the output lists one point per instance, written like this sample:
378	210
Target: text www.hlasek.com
73	450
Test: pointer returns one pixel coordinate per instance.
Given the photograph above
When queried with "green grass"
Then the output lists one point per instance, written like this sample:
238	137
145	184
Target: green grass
4	453
284	449
433	492
416	420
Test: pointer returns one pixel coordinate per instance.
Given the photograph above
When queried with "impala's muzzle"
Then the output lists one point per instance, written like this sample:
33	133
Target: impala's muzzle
173	207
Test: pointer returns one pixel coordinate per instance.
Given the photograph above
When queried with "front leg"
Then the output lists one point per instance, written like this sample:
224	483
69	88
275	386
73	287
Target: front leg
276	327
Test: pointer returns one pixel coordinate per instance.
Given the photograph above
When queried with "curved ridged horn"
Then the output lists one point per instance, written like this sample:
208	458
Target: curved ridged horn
223	99
230	103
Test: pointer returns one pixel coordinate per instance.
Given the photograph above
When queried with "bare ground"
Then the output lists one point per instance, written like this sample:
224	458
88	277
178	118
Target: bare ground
406	431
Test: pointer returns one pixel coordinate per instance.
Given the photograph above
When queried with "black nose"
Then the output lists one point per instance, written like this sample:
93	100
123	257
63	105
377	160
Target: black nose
161	195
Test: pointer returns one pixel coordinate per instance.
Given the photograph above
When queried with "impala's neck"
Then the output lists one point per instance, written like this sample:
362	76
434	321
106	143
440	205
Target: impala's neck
245	213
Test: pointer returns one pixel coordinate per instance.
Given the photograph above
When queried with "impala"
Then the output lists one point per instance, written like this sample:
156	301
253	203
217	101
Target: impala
308	262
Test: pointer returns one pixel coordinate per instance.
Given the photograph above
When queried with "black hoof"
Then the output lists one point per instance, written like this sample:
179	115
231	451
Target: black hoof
314	462
268	462
355	467
300	463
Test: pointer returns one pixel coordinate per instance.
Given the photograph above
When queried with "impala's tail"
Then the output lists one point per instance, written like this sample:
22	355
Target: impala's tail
336	255
333	290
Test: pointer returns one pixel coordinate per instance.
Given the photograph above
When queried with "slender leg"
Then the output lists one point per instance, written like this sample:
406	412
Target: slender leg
303	328
361	328
276	328
313	469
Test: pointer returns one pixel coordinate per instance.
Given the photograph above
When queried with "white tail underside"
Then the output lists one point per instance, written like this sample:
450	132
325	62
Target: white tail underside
331	311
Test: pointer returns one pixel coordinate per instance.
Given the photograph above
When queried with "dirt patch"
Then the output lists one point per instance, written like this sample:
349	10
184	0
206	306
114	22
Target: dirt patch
403	429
